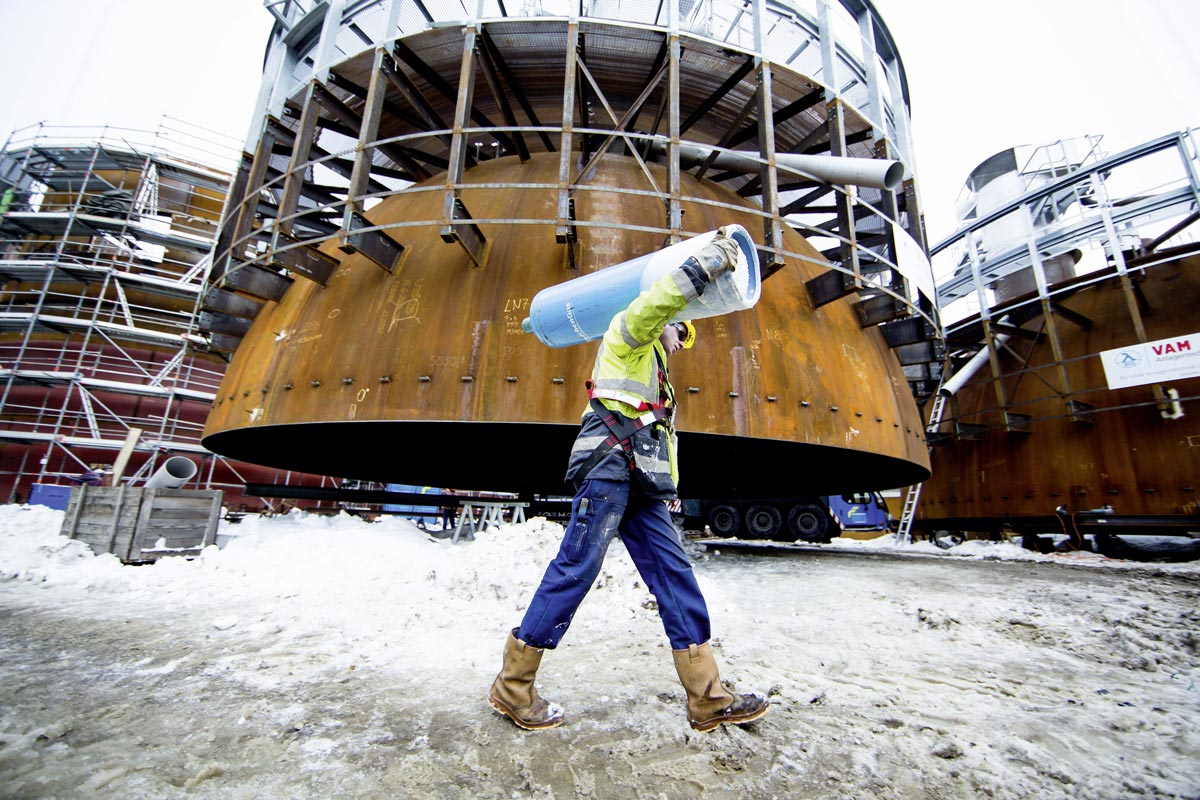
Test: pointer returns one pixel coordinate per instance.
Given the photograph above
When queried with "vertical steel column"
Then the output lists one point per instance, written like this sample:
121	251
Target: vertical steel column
772	222
903	133
562	228
866	28
327	47
306	134
875	110
1189	162
452	205
1127	290
828	50
221	255
360	175
843	198
272	92
393	19
247	205
1039	277
835	122
985	318
890	207
674	179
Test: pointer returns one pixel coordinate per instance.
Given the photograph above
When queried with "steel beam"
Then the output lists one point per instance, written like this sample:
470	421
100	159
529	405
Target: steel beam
514	86
456	220
372	110
298	163
304	260
376	245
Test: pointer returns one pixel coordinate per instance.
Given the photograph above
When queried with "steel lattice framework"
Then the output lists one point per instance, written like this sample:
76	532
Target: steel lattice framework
364	99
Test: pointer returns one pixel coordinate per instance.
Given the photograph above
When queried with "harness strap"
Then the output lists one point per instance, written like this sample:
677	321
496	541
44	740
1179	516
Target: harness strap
620	432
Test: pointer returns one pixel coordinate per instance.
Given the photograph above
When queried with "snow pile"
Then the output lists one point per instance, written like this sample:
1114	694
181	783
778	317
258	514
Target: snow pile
380	585
31	550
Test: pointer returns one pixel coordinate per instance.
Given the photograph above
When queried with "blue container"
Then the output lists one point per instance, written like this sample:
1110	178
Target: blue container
50	495
580	309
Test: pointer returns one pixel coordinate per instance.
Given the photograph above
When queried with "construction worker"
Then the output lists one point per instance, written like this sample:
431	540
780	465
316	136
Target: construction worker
623	467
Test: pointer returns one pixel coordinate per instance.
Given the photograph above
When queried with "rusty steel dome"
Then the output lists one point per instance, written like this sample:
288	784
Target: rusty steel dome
404	204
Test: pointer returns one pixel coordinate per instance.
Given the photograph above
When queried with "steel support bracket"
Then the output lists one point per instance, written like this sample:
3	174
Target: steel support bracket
227	302
829	286
920	352
968	431
880	309
569	232
217	322
376	245
223	343
257	282
1081	412
463	230
1017	423
304	260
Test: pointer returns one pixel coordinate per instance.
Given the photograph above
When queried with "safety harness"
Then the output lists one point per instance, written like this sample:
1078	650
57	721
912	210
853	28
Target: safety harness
620	427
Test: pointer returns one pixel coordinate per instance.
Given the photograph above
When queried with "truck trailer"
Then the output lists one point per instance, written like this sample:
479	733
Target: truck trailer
816	519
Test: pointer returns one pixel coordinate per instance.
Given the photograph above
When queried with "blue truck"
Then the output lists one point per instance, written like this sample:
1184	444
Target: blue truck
816	519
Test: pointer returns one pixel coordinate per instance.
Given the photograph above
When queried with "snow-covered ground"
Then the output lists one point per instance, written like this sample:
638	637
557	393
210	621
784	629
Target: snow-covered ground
319	657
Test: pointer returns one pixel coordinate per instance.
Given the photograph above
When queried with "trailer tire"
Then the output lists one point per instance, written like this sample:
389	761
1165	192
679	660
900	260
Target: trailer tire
724	520
763	522
809	522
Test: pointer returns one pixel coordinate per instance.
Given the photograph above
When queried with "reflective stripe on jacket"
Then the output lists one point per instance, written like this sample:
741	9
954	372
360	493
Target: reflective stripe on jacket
626	380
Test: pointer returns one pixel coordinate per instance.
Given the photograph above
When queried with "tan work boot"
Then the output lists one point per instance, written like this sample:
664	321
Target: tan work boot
513	694
709	703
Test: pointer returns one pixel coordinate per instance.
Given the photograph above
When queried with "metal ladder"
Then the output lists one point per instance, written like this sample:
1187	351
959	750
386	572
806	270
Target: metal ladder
904	530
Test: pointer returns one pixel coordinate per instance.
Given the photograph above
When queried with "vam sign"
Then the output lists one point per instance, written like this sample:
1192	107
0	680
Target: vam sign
1153	362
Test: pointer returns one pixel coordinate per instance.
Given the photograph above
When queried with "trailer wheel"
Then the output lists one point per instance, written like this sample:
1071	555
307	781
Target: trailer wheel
763	522
810	523
724	520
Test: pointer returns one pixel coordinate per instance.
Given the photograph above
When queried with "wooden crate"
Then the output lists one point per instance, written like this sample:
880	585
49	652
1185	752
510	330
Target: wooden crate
129	521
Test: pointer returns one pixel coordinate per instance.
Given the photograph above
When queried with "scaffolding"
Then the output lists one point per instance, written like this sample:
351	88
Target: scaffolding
105	244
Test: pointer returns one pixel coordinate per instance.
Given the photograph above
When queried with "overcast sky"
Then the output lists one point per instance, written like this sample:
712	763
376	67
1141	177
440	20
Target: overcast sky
983	76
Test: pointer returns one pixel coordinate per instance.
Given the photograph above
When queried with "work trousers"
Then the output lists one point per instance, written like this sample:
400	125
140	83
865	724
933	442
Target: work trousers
600	510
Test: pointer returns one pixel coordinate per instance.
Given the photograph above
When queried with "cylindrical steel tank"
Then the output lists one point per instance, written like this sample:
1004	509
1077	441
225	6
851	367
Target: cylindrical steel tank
1118	450
1038	414
511	151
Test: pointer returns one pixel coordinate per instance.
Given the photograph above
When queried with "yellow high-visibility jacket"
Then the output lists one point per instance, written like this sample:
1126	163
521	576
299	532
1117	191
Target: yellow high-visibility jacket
630	378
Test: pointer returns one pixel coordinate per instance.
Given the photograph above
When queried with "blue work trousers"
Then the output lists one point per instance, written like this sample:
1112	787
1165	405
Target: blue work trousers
600	510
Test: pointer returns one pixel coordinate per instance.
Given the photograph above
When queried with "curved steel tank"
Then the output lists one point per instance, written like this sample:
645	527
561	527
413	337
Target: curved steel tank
404	360
1116	450
1050	421
425	374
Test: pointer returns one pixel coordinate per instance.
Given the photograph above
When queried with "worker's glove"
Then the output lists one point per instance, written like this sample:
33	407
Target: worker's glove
712	261
718	256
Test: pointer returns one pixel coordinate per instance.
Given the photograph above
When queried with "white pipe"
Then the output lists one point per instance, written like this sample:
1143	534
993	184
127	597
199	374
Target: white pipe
175	472
959	379
876	173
